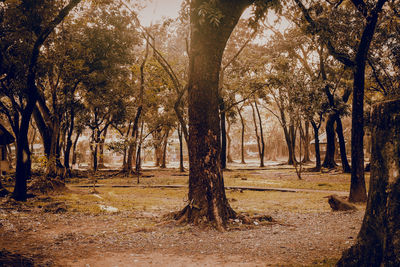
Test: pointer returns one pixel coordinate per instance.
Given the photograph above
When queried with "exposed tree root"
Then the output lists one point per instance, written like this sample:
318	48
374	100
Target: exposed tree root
192	215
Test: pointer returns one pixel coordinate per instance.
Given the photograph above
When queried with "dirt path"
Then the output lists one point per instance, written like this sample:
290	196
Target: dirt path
75	239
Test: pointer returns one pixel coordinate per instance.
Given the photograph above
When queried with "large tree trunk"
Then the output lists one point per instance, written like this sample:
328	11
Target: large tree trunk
329	161
378	243
23	158
52	167
207	199
357	187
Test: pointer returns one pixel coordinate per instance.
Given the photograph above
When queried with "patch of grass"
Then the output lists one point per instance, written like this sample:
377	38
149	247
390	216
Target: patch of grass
124	199
265	202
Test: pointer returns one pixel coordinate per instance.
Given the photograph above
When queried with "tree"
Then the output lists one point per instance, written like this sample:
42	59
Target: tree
41	26
211	25
378	242
357	62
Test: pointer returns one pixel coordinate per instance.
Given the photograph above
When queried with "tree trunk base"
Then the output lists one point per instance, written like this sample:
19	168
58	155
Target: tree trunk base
191	214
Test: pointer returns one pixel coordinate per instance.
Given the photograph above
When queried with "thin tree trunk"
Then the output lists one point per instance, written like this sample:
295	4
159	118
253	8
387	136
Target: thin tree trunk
306	140
69	142
317	151
242	161
342	144
291	143
181	167
257	135
78	134
101	148
229	142
138	162
262	151
164	149
329	160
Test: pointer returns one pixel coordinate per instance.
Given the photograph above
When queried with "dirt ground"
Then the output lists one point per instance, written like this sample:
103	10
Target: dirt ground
129	228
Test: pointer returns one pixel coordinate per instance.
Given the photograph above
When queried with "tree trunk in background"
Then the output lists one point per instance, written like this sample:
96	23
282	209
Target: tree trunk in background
78	134
306	140
242	161
262	151
207	199
228	138
329	161
223	133
342	144
291	143
181	167
164	150
257	134
51	165
68	144
101	148
378	242
317	151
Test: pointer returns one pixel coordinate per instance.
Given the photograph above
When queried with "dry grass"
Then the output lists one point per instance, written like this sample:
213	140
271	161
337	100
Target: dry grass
163	200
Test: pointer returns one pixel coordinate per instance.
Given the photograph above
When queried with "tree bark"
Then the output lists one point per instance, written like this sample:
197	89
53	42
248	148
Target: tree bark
257	135
342	144
223	133
242	161
357	187
164	149
329	160
101	148
23	167
229	142
68	145
306	140
317	151
207	199
262	151
78	133
378	242
181	167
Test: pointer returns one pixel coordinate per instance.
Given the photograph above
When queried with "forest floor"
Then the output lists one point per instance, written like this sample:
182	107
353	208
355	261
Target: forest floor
122	224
